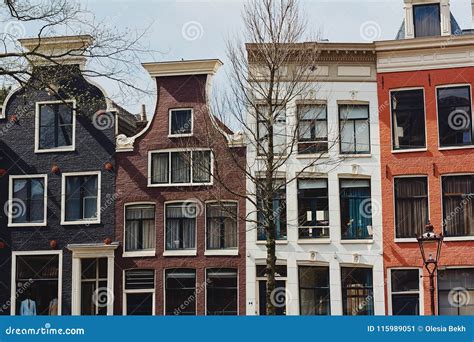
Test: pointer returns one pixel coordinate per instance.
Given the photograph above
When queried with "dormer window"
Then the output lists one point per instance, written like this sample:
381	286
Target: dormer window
181	122
427	20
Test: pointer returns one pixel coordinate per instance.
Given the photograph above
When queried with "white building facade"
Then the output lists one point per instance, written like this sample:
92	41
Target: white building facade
329	256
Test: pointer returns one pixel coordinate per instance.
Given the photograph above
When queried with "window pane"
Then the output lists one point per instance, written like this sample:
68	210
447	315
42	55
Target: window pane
427	20
458	205
180	167
278	122
27	204
140	228
181	121
139	279
405	280
139	304
55	125
159	168
454	116
221	293
405	292
221	224
312	129
181	226
313	208
456	291
408	119
348	137
314	290
411	206
349	112
180	288
356	209
280	295
201	166
81	198
357	291
406	304
279	212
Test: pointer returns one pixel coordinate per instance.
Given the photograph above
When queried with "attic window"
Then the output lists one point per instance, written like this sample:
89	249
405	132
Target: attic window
427	20
181	122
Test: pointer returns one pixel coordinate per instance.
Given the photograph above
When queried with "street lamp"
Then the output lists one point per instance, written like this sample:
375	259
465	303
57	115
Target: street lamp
430	261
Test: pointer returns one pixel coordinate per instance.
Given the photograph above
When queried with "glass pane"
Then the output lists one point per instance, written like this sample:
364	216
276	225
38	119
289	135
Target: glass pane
201	166
139	304
347	137
405	280
181	121
427	20
362	137
180	167
180	292
160	171
357	291
406	304
221	295
348	112
314	290
356	209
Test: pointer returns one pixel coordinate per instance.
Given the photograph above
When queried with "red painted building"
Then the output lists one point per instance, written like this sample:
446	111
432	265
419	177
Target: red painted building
425	90
182	246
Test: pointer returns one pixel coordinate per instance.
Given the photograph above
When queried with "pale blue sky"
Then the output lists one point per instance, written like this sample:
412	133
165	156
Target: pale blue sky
211	22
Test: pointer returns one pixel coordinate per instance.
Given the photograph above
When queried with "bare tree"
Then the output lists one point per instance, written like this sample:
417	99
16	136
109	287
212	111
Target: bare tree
112	52
274	69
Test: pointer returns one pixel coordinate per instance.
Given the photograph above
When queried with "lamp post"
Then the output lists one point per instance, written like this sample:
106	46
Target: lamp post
430	261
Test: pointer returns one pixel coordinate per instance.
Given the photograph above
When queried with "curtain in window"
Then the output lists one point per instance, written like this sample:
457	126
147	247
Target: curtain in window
160	168
221	226
411	195
180	167
201	166
458	202
73	199
180	228
355	209
181	121
357	291
140	228
427	20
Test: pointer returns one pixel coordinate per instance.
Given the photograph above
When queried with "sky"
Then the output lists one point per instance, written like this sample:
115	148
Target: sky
185	29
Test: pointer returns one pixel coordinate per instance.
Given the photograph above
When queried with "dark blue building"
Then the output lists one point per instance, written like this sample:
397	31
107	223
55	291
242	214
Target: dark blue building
57	190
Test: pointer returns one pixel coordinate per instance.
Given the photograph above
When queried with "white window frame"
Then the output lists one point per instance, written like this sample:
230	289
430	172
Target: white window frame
408	150
138	291
131	254
63	198
419	292
13	293
227	251
169	184
37	128
206	286
170	112
10	201
181	252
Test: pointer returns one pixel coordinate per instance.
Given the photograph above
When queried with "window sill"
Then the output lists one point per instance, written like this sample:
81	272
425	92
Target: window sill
459	238
79	223
403	240
351	155
447	148
139	254
56	150
278	242
357	241
223	252
414	150
192	252
314	241
312	155
19	225
187	135
170	185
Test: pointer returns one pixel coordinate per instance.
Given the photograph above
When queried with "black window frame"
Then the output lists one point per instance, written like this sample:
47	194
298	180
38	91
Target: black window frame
313	231
364	293
342	121
406	294
313	144
315	289
181	309
280	201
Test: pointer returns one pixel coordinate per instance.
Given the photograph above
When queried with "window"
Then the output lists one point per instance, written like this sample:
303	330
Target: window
94	291
357	291
458	205
314	290
455	116
313	209
221	224
181	122
427	20
28	200
81	198
181	226
405	292
356	209
456	292
278	295
408	119
221	295
279	212
181	168
180	289
312	129
37	291
55	126
411	206
139	292
140	227
355	129
277	121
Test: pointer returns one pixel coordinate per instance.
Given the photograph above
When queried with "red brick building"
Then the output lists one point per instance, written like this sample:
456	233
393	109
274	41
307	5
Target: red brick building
425	81
182	244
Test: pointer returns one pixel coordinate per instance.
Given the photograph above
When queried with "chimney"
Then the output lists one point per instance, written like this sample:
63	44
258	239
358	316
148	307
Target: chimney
61	49
143	113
